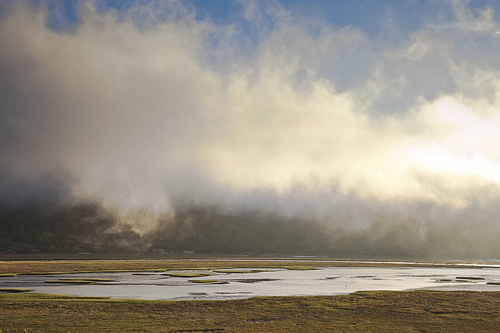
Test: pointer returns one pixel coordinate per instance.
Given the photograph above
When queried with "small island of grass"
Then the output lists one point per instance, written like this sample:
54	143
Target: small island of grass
205	281
16	290
300	268
240	271
80	280
187	274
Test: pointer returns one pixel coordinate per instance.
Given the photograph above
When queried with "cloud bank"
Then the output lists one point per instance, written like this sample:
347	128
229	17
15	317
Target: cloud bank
148	105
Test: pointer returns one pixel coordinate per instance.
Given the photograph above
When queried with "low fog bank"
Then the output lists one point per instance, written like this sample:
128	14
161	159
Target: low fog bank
435	232
63	223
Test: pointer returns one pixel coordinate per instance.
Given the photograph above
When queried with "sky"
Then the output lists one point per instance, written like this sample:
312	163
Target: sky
296	106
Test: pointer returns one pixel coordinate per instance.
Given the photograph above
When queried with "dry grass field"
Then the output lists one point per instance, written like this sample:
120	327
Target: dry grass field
72	266
360	312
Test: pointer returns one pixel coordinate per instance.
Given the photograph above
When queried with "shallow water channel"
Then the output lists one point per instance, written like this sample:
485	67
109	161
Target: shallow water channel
273	282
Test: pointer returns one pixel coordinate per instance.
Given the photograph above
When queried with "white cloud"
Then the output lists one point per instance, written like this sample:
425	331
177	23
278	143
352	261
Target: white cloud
141	115
478	20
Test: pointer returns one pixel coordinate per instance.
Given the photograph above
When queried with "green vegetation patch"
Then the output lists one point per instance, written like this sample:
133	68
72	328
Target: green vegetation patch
8	275
469	278
188	274
494	283
15	290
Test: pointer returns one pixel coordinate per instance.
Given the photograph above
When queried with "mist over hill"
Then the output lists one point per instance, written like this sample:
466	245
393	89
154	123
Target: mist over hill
60	223
270	126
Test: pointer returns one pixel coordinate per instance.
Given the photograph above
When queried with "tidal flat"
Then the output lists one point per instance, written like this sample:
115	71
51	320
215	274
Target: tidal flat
375	310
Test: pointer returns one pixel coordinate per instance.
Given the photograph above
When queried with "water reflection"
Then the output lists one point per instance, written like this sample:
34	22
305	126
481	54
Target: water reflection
272	282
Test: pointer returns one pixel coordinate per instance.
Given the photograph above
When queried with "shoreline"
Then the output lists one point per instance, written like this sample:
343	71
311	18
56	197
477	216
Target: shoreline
388	311
65	266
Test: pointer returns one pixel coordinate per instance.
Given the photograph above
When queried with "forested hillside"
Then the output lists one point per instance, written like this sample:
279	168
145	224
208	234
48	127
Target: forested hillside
89	227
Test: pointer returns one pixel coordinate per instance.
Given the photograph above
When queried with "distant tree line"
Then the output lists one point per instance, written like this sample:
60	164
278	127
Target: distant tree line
66	228
88	227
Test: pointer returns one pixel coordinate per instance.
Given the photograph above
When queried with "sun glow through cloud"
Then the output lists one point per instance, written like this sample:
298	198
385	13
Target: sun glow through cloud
149	103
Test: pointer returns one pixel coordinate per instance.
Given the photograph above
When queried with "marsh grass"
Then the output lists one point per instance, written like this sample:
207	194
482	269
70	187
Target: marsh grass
240	271
374	292
255	280
382	311
8	275
88	279
95	271
71	281
16	290
80	280
187	274
494	283
300	268
205	281
52	267
46	297
469	278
